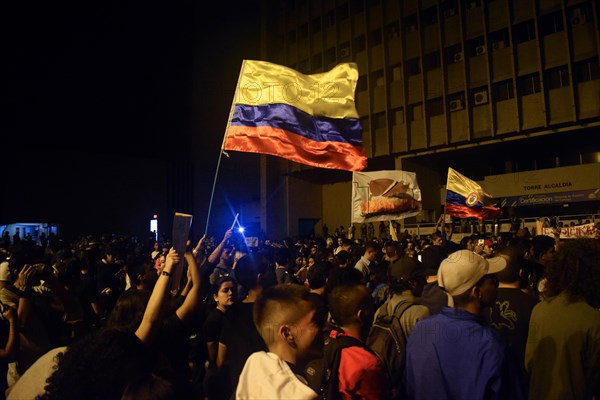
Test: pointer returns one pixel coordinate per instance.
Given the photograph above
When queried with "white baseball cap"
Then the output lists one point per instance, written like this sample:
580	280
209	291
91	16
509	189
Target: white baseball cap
461	270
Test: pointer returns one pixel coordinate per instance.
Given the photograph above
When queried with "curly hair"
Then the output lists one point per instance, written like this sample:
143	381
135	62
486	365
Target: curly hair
98	366
575	270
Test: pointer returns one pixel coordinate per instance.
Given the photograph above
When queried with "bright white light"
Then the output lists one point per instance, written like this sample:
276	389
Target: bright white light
154	228
241	229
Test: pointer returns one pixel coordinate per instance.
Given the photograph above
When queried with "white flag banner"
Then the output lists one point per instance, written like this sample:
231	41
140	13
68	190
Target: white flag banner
384	196
572	232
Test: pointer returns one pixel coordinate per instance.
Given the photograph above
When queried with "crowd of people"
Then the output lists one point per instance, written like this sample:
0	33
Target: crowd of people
484	318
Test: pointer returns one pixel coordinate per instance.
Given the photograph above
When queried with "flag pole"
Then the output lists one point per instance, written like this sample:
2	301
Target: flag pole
212	193
446	196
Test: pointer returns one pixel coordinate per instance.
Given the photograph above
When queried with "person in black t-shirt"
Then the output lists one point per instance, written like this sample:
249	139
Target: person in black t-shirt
216	382
239	336
511	312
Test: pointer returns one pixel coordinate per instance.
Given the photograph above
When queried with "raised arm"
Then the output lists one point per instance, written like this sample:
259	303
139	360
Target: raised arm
23	286
214	256
192	299
153	314
199	245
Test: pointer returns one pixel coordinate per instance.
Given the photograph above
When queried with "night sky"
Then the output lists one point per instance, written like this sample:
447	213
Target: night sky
98	95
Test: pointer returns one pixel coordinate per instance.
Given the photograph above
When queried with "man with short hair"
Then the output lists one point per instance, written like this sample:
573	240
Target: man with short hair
285	319
452	355
511	311
283	271
406	280
361	374
363	264
317	283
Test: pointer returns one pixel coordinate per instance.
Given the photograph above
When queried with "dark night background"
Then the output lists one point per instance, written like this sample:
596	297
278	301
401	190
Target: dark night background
103	100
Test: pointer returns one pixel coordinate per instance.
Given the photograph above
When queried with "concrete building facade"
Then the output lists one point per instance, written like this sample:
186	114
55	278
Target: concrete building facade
486	87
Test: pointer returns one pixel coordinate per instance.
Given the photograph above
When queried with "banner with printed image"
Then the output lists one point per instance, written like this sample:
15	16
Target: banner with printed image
385	196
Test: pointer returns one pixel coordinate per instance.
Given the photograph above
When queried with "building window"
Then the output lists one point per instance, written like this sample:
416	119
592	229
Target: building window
415	113
587	70
396	72
453	54
344	50
392	31
303	32
499	39
379	121
429	16
557	78
342	12
472	4
552	23
360	44
432	61
529	84
456	102
357	6
366	124
413	67
410	23
503	91
435	107
524	32
291	36
315	25
376	37
477	47
361	85
479	96
397	116
377	78
449	9
329	19
580	15
330	55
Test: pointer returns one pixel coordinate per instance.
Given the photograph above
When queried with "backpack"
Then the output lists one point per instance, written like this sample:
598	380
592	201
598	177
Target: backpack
322	373
387	339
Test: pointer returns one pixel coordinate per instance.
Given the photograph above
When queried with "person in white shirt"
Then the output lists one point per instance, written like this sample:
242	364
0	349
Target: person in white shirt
285	319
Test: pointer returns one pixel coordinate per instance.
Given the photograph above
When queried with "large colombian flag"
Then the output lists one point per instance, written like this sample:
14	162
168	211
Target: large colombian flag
309	119
465	198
